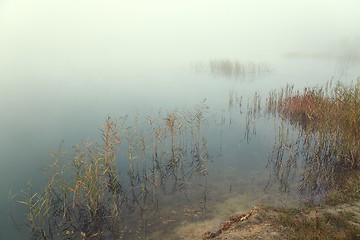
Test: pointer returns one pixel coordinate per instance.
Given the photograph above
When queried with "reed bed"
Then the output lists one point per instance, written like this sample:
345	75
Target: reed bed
88	198
233	69
82	199
320	131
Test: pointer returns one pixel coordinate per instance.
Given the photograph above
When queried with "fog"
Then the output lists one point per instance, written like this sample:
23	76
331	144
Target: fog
65	65
47	47
73	37
57	54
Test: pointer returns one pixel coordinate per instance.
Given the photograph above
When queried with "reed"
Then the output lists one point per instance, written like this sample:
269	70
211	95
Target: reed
86	197
233	69
319	130
335	115
81	199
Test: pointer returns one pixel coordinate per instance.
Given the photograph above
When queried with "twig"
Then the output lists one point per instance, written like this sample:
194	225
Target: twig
224	227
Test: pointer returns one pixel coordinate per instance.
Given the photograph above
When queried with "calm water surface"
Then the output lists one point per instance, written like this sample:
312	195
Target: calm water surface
236	175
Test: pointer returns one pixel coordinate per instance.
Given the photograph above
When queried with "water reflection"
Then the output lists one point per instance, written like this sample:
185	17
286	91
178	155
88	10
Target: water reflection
90	199
167	161
150	172
311	150
299	159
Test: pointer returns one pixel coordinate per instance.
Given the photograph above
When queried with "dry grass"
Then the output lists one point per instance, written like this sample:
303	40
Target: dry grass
82	200
84	197
317	142
330	117
233	69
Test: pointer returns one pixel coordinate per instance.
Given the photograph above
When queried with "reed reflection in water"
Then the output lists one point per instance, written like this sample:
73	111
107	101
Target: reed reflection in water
90	198
151	172
317	143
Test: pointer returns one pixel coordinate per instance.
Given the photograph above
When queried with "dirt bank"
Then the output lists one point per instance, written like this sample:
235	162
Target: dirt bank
317	222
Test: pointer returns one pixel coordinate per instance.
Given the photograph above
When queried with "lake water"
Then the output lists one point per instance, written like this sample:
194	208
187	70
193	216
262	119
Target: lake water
237	172
61	78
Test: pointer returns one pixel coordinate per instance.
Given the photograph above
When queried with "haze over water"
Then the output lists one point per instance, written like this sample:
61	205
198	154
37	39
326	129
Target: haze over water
67	65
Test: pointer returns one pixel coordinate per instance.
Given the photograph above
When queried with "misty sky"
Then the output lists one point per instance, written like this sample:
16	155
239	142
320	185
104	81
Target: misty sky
44	35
